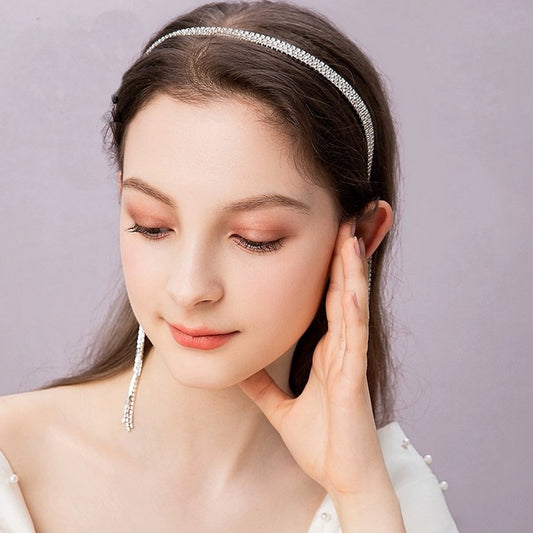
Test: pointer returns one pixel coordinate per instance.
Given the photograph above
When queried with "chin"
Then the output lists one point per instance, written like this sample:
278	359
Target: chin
213	384
223	370
199	377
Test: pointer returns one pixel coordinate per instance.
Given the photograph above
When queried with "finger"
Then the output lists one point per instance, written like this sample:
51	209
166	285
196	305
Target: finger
355	268
336	283
366	268
356	333
366	260
262	390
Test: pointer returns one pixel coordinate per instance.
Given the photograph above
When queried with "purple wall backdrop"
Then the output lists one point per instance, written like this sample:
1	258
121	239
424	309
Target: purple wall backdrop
460	79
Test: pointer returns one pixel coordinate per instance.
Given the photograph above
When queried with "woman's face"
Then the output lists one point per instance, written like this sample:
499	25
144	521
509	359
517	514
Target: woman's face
220	234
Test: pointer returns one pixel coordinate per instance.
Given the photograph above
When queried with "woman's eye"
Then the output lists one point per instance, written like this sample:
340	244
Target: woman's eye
149	233
259	247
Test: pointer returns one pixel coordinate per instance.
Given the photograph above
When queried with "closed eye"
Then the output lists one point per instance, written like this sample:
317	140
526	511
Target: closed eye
252	246
258	246
149	233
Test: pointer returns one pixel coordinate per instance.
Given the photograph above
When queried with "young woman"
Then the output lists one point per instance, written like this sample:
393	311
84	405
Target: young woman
256	159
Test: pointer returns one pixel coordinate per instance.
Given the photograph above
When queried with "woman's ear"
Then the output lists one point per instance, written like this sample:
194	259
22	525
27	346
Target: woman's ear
120	183
375	226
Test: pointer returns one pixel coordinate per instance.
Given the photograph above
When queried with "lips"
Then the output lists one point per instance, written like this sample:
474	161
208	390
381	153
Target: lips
200	338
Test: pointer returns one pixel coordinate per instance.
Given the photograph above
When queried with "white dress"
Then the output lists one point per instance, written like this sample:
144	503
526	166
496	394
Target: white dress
424	508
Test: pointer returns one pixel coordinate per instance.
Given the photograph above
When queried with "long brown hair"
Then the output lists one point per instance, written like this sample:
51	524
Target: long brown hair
328	143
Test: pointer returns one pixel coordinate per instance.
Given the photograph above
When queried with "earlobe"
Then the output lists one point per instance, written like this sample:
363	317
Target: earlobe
374	228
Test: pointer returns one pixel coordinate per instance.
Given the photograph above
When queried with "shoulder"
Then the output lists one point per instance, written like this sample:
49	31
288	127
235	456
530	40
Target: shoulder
23	417
27	415
404	464
35	424
419	491
26	422
20	411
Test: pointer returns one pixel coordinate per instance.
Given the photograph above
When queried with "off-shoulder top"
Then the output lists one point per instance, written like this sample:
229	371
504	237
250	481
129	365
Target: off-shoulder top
421	497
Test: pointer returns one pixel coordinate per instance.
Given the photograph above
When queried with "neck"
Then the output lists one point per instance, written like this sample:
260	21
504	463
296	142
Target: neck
213	434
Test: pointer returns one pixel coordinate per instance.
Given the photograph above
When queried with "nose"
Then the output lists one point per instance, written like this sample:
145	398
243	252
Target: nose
194	276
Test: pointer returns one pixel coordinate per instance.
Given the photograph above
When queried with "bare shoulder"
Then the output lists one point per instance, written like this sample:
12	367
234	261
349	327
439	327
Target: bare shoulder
24	415
38	423
16	410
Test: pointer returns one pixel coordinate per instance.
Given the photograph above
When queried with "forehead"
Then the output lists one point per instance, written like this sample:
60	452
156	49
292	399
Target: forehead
225	144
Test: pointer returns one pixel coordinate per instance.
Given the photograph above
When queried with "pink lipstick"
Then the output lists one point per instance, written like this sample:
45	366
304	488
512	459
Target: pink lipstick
201	338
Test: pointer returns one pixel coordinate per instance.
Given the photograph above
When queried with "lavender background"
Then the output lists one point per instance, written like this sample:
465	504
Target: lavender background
460	78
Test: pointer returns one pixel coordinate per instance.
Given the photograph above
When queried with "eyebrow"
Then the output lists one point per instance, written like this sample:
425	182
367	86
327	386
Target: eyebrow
266	200
141	186
246	204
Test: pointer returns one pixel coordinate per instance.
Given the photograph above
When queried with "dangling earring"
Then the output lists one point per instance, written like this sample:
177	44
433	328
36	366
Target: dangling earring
127	417
369	274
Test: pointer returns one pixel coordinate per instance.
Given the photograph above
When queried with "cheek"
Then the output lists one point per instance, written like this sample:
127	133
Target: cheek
142	274
306	282
131	262
286	295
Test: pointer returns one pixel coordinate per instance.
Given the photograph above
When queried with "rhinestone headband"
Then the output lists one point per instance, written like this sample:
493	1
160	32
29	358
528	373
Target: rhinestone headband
297	53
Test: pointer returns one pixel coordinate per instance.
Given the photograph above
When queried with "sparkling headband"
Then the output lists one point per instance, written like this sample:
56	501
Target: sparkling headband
297	53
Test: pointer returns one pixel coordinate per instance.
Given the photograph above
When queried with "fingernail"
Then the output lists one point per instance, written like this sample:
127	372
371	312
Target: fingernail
361	245
356	246
355	298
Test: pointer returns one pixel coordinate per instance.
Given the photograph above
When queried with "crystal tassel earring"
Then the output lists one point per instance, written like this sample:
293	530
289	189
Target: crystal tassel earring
369	274
127	417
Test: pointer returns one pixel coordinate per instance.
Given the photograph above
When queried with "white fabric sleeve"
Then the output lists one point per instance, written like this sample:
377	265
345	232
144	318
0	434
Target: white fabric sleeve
422	501
14	515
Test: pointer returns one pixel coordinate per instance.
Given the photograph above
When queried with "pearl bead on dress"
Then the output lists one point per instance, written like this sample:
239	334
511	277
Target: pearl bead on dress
13	478
427	459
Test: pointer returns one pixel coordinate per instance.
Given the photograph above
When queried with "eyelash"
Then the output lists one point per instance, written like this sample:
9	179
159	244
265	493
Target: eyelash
260	247
253	246
150	233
